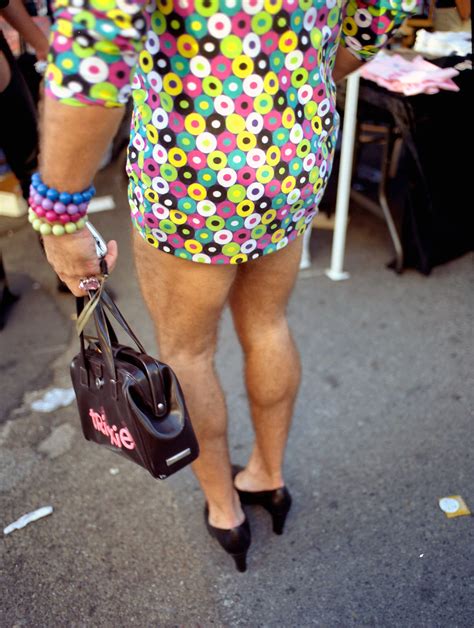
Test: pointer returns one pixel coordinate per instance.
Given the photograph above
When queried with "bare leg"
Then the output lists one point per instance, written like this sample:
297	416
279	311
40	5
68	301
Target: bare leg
185	300
258	301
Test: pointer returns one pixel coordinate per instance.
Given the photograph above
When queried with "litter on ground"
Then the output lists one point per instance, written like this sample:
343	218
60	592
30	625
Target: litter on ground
53	399
454	506
29	517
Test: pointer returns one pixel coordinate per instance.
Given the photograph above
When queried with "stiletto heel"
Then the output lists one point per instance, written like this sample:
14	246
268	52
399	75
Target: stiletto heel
278	521
241	561
235	541
276	502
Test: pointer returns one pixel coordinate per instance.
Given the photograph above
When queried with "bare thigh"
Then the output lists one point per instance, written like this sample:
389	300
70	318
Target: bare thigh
185	299
261	291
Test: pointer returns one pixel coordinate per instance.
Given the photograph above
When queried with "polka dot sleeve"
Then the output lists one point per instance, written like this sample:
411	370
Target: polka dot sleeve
367	24
94	46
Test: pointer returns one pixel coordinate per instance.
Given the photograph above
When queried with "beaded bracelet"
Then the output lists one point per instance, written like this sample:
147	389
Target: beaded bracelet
47	228
45	208
57	212
64	197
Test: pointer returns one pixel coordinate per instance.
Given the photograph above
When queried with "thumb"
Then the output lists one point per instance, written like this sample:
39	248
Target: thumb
112	255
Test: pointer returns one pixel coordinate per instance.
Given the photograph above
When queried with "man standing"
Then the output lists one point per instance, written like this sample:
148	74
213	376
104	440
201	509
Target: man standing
233	135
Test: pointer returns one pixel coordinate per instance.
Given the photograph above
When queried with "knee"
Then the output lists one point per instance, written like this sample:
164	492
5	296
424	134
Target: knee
263	334
188	352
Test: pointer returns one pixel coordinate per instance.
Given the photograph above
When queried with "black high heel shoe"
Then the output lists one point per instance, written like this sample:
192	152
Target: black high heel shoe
235	541
276	502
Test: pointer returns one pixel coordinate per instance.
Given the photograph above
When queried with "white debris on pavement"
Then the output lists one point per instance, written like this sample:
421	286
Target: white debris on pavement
114	471
454	506
23	521
101	204
53	399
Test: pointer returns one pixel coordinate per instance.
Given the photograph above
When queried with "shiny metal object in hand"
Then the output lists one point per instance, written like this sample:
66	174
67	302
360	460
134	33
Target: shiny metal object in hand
40	66
100	244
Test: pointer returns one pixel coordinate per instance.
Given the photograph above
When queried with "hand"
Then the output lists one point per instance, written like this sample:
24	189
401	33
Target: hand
73	257
345	64
41	46
17	16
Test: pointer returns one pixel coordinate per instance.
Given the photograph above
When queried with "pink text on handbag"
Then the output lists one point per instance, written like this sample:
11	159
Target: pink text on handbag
118	438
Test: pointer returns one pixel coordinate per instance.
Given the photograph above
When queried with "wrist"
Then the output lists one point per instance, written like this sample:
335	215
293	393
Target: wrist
79	234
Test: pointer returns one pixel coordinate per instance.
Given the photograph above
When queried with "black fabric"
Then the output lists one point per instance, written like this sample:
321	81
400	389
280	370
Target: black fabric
18	124
26	63
445	4
437	223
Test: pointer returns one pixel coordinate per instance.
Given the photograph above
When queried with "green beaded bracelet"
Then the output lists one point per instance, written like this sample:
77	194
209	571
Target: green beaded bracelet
46	228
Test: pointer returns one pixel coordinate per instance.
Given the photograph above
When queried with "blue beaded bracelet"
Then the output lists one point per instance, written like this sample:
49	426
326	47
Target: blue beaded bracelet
63	197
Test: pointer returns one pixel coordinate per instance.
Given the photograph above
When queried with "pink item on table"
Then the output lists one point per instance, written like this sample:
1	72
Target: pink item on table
409	77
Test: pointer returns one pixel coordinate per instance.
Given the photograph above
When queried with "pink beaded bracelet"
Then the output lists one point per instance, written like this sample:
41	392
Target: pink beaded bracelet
52	216
55	211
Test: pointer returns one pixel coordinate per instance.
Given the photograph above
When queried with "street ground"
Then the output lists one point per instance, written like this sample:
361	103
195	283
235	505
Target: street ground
382	430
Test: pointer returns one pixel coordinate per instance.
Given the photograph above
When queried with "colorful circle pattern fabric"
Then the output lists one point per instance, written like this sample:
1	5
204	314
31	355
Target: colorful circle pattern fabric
234	123
234	126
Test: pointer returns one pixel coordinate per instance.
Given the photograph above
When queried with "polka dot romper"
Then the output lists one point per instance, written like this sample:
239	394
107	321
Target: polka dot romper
234	123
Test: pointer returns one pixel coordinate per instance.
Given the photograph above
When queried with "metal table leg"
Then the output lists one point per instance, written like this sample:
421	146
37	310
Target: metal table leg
382	208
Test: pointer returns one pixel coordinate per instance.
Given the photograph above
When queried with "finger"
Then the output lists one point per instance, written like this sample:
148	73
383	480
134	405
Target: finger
73	282
112	255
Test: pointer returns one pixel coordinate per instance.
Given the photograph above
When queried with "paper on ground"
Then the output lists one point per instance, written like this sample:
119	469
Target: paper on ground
12	205
53	399
28	518
101	204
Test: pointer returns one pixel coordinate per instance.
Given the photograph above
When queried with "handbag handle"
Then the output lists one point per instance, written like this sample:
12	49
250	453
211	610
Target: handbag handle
117	314
107	300
149	365
106	334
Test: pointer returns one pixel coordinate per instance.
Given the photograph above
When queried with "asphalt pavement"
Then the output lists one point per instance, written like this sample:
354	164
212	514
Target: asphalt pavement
383	428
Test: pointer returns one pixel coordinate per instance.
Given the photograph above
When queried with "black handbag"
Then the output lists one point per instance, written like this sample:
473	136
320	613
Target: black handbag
128	401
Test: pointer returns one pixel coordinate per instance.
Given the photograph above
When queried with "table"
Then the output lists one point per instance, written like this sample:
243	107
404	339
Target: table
437	223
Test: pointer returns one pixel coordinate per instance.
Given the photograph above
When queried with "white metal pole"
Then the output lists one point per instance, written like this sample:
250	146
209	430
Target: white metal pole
305	261
335	272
